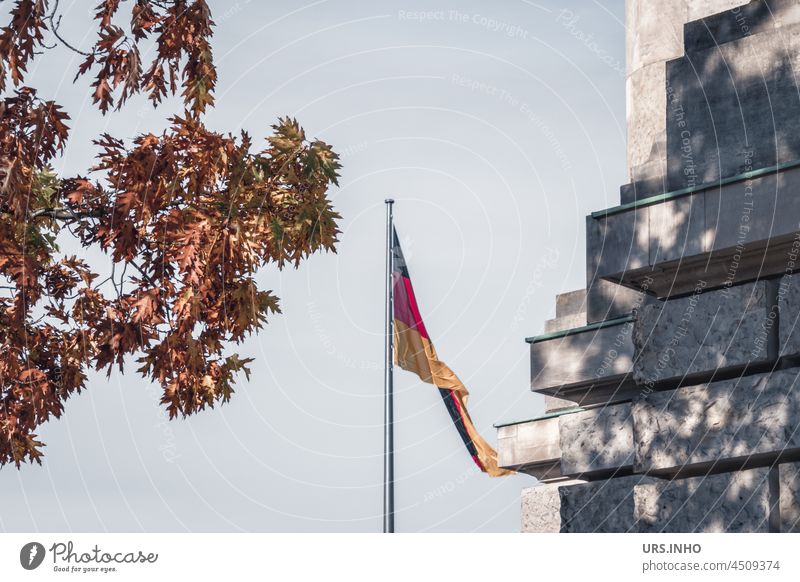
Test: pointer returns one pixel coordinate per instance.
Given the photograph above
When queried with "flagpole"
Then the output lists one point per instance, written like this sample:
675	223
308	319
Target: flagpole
388	383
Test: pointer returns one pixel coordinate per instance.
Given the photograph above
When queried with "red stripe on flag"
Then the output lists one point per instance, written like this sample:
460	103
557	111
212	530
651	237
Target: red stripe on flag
405	305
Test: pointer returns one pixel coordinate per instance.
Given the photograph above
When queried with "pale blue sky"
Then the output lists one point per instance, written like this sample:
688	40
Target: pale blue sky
496	126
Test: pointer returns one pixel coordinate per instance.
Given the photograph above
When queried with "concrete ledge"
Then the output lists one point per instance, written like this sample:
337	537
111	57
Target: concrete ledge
723	424
729	502
723	234
553	404
704	334
531	447
587	366
574	443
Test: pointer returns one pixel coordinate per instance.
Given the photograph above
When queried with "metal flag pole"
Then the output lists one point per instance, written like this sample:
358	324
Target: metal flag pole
388	383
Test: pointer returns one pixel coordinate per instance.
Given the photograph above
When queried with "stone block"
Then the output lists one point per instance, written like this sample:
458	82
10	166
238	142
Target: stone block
571	303
703	334
541	508
597	440
721	424
737	502
789	480
789	309
600	506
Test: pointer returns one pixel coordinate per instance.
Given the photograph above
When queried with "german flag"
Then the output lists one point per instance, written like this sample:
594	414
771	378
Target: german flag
413	351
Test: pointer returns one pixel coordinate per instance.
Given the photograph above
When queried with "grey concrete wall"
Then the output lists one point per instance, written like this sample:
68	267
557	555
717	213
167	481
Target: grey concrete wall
706	101
696	427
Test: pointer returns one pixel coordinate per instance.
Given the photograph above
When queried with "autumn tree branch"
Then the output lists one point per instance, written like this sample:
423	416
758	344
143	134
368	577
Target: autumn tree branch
61	213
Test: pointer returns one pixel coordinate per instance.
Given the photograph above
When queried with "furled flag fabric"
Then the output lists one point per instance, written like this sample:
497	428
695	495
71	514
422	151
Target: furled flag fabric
413	351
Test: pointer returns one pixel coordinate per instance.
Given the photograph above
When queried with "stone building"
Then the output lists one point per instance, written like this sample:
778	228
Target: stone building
671	381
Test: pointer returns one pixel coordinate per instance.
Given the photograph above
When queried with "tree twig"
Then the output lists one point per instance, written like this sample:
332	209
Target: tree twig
55	24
